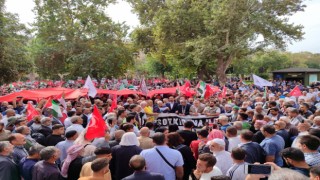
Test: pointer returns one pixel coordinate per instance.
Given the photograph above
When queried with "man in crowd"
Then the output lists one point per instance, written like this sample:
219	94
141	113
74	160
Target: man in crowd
103	152
224	121
117	138
19	152
172	105
56	136
309	145
138	164
212	109
4	134
233	138
237	170
161	159
254	152
8	168
295	117
196	108
224	160
145	141
63	146
295	159
47	168
183	108
206	167
77	122
99	167
187	134
26	164
272	144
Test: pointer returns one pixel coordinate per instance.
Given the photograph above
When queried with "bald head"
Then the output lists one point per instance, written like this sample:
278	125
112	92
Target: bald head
118	134
137	163
145	132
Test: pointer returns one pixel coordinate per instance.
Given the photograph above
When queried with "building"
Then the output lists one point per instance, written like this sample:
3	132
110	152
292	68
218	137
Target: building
305	75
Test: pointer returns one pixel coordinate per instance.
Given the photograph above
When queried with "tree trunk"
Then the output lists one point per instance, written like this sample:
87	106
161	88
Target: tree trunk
222	66
200	72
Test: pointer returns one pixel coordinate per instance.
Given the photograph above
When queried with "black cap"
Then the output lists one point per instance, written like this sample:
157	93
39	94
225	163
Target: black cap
102	150
70	134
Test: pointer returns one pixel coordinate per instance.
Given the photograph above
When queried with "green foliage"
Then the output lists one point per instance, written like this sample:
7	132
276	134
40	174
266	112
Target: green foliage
78	37
207	36
14	57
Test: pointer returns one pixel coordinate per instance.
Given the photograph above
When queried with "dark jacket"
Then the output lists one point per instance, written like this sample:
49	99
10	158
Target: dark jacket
119	164
186	109
44	170
254	153
8	169
188	159
174	107
144	175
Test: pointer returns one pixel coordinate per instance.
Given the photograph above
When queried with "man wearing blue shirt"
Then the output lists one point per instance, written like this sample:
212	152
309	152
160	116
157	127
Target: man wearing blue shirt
273	144
156	164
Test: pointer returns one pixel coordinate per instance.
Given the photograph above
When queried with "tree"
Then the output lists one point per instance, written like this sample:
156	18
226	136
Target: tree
78	37
14	57
204	34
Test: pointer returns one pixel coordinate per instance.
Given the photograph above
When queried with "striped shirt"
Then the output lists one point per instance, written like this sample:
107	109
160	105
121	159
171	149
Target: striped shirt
236	172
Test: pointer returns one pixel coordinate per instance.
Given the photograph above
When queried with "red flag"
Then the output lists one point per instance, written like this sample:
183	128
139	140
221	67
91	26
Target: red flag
224	92
295	92
97	127
186	89
208	92
48	103
114	103
31	112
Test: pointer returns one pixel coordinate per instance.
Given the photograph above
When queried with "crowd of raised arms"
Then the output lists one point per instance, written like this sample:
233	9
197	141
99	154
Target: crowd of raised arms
249	125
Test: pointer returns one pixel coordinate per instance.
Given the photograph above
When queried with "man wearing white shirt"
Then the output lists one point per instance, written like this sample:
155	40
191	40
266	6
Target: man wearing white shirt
76	124
224	160
205	167
233	138
67	122
236	172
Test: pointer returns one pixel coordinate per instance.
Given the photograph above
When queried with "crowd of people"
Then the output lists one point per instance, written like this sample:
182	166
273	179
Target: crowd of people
250	126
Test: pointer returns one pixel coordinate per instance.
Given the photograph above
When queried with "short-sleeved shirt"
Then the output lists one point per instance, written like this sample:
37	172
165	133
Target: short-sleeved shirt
224	161
215	172
272	146
156	164
236	172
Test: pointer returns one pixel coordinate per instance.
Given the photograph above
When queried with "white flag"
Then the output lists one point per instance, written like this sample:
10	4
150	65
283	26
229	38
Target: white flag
144	88
92	91
258	81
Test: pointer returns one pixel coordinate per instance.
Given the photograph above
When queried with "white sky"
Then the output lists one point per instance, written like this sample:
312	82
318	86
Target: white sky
121	12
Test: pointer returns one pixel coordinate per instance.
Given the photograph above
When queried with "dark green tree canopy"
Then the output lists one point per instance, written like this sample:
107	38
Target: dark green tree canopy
77	36
14	56
216	33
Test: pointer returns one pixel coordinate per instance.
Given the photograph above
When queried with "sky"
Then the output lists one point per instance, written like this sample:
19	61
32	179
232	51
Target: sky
121	12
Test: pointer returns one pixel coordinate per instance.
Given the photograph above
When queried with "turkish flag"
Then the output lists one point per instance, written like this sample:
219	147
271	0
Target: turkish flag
295	92
186	89
97	127
114	103
31	112
208	92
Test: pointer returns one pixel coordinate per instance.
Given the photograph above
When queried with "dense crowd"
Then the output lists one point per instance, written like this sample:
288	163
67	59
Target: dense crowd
250	126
